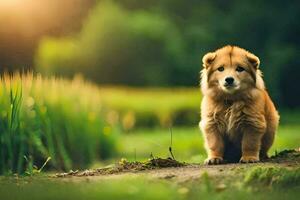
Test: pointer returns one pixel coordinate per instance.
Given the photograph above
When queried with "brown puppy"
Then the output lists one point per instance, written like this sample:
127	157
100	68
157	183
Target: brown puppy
238	118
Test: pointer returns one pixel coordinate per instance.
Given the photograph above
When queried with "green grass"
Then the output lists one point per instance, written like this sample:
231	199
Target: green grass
49	117
144	187
127	188
273	176
188	143
288	137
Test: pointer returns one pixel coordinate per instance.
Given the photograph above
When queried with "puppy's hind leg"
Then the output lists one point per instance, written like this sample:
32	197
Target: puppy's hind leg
267	142
272	121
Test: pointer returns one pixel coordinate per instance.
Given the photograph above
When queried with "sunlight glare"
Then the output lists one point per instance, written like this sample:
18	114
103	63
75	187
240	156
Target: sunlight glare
10	3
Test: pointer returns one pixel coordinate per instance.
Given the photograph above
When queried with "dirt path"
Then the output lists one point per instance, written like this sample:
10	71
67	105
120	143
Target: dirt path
181	172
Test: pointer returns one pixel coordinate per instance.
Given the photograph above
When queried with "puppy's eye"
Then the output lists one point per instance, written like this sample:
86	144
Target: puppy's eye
220	69
240	69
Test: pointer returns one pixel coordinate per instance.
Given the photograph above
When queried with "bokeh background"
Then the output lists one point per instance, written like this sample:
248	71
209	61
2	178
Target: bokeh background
137	60
150	43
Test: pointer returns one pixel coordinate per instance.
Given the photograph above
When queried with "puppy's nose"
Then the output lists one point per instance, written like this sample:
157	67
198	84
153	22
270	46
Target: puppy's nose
229	80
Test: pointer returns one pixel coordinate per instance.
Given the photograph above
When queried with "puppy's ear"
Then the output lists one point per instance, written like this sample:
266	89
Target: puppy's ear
253	60
208	59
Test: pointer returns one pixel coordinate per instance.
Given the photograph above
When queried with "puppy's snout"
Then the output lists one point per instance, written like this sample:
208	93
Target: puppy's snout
229	80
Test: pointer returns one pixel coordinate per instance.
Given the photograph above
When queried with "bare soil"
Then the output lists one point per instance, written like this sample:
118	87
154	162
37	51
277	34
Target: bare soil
182	172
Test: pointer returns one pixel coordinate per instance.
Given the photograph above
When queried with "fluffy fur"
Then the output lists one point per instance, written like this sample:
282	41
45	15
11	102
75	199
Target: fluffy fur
238	121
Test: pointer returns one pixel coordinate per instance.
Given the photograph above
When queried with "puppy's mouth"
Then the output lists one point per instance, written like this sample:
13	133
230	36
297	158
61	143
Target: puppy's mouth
230	88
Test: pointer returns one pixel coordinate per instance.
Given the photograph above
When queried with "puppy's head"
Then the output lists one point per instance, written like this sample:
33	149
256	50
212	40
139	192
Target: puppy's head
230	70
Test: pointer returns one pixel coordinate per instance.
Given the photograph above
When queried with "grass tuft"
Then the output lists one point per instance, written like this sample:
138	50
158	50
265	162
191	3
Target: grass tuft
51	117
273	176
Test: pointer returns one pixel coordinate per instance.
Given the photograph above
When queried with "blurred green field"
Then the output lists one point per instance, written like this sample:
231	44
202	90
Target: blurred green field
153	107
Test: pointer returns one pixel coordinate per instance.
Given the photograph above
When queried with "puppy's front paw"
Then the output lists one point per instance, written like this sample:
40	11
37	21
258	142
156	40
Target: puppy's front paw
213	161
249	159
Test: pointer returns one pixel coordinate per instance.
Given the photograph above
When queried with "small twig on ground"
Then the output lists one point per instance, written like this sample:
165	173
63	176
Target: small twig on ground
134	154
170	147
151	156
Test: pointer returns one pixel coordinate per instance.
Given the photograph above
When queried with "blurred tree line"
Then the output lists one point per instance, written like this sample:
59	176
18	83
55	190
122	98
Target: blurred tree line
161	43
